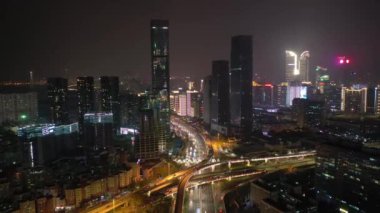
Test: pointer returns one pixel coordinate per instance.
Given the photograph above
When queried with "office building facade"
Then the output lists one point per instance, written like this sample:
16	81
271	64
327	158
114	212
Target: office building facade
220	103
241	86
110	101
206	95
192	103
160	74
86	99
152	141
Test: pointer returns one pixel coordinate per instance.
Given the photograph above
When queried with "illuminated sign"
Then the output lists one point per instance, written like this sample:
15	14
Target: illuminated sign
324	78
127	131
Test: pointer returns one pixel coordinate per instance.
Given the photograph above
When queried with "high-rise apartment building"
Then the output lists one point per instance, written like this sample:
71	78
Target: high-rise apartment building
354	100
281	94
21	107
57	97
333	95
110	102
308	113
182	105
377	100
86	99
192	103
241	85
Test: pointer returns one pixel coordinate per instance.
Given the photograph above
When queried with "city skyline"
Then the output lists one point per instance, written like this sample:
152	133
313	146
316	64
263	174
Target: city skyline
267	106
59	41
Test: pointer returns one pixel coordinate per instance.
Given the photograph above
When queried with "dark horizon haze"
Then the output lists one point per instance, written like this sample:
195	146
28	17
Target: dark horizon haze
112	38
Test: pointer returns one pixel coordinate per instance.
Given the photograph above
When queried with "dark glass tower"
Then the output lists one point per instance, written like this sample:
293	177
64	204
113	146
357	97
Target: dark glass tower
220	110
160	74
86	103
57	96
206	93
109	92
160	57
241	85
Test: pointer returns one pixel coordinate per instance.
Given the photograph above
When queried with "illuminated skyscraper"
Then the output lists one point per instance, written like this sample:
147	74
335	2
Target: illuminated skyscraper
182	106
377	100
292	71
297	67
57	96
192	105
354	99
281	94
160	58
241	85
159	103
304	64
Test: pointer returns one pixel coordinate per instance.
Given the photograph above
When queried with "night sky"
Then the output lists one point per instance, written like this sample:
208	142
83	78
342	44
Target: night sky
112	37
